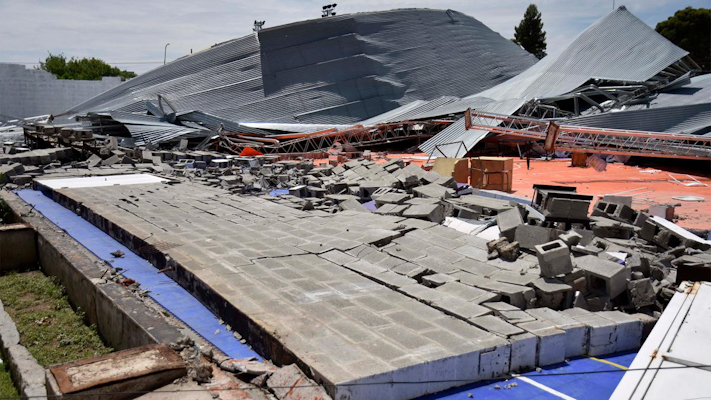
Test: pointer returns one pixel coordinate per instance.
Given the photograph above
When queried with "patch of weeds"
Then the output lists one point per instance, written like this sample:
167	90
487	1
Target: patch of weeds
50	329
7	389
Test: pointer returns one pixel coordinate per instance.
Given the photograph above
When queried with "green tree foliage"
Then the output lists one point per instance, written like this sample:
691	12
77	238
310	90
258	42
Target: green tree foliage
690	29
90	69
530	34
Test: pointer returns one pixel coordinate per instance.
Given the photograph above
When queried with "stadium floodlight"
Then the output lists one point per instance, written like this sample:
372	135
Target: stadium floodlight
328	10
258	26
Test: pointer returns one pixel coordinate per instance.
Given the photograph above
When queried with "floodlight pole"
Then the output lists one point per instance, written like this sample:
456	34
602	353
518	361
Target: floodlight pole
165	52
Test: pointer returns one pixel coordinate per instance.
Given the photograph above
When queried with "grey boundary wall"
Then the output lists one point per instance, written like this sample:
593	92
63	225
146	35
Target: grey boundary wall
28	92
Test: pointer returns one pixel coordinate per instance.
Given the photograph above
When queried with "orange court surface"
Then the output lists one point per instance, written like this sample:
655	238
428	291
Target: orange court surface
655	186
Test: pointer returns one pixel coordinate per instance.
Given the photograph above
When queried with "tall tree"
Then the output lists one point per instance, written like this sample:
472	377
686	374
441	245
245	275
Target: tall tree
91	69
690	29
530	34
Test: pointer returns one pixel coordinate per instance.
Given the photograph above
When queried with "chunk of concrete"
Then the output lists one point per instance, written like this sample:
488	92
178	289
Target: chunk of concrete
289	383
642	292
570	238
554	258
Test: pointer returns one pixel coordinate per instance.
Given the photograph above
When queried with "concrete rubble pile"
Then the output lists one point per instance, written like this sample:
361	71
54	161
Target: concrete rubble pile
544	280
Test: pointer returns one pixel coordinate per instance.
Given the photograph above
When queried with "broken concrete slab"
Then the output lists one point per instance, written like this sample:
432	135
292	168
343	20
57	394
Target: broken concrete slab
289	383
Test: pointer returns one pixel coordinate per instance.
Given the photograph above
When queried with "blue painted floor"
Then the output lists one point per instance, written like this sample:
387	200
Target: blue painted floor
162	289
581	385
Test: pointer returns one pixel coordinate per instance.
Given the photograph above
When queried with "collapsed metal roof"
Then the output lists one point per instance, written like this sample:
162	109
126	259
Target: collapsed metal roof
618	48
336	70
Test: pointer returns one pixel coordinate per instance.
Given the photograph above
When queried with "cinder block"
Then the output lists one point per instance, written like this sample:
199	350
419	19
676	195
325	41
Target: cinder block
508	221
551	342
523	351
629	330
603	276
554	258
602	331
576	333
529	236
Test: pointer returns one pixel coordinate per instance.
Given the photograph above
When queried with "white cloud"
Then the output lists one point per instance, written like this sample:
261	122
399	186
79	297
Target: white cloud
137	31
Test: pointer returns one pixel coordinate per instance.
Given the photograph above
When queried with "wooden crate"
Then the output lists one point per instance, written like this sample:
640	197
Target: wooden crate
493	173
578	160
458	168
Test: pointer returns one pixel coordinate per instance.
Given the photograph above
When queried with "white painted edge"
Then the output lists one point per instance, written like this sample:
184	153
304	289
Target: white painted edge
99	181
544	387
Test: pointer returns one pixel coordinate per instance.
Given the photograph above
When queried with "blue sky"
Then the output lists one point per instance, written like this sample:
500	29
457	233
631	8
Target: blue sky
137	31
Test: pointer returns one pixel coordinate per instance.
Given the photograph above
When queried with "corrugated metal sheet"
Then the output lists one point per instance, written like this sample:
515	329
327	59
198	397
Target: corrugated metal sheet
456	133
618	47
689	119
695	92
336	70
145	134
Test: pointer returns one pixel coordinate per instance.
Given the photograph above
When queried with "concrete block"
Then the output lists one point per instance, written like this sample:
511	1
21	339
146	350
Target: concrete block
392	198
429	212
437	280
551	342
602	331
508	221
603	276
524	348
576	333
629	330
519	296
624	200
554	258
460	308
528	236
568	208
433	190
353	205
551	292
496	325
466	292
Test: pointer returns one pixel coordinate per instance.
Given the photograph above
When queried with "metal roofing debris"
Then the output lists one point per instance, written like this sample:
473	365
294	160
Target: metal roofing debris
688	119
619	48
334	70
672	361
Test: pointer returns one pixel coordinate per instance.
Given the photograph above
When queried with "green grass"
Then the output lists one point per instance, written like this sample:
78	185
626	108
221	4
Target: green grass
6	387
50	329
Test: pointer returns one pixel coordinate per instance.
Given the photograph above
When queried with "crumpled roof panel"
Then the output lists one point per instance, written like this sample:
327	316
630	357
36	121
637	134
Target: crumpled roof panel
618	47
337	70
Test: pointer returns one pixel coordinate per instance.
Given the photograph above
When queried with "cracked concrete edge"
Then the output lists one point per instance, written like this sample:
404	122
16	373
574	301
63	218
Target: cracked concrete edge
27	375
